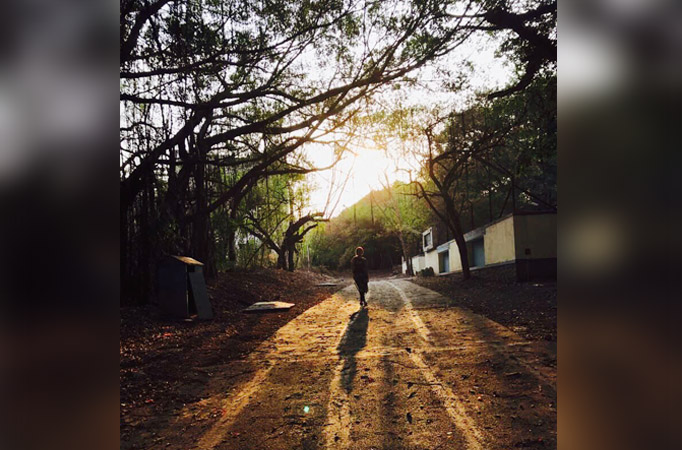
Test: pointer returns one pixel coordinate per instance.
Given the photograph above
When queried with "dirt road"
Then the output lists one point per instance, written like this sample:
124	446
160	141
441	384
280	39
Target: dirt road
412	371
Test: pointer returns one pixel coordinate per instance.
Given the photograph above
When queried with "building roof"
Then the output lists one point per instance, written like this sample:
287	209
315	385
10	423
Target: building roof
187	260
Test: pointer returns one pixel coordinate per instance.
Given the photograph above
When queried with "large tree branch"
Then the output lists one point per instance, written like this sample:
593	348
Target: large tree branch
426	197
261	234
542	49
129	42
501	169
132	184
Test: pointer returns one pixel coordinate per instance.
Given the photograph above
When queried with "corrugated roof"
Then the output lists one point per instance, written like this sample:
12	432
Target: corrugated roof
189	261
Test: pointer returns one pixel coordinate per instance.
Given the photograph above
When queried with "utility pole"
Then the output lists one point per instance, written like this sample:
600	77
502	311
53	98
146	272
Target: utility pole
513	191
466	192
490	194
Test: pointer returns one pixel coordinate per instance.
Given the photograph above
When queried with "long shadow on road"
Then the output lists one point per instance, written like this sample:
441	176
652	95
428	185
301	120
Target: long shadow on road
352	342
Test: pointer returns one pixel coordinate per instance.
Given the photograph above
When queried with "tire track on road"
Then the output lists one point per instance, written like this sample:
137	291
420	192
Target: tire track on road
267	357
496	337
233	406
338	424
453	405
422	330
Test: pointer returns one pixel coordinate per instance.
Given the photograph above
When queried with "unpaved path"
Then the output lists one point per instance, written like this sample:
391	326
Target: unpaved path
412	371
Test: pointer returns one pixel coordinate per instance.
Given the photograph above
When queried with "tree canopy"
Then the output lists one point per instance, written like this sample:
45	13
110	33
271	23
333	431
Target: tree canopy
220	98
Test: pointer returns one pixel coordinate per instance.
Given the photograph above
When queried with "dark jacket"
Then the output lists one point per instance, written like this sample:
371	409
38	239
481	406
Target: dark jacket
359	266
360	273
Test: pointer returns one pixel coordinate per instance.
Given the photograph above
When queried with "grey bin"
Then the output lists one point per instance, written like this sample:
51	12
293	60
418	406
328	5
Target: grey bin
182	289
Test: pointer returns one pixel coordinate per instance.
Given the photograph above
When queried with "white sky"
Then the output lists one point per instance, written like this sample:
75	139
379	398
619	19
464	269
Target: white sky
368	165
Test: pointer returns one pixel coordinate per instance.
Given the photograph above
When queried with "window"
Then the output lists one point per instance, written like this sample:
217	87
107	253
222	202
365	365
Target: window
427	238
444	262
477	253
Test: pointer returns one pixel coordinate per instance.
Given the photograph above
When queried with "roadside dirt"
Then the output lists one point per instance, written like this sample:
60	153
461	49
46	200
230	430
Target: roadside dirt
163	362
412	371
528	308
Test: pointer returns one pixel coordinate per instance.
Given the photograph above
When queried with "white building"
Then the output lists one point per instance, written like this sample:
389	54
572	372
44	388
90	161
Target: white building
527	239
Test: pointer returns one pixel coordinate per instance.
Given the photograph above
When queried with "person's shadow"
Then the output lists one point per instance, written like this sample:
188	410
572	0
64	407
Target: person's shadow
353	341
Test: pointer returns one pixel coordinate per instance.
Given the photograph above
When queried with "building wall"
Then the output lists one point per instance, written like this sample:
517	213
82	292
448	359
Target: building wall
431	260
498	241
537	233
506	241
455	260
417	263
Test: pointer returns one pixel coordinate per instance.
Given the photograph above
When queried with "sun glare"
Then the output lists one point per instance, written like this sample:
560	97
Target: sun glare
367	167
365	170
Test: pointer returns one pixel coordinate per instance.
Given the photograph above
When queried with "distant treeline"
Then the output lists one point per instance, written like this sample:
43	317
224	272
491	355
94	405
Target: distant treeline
377	223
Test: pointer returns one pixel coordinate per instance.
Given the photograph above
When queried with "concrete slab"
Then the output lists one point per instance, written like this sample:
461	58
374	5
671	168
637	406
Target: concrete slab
268	306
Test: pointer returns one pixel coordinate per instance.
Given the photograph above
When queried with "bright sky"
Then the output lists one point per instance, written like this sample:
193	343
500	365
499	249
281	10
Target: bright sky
365	169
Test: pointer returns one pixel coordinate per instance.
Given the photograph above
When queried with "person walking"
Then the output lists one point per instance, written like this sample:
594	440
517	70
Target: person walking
360	274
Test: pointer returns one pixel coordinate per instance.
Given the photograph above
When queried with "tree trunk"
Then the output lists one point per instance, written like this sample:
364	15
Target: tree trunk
291	251
200	243
403	247
123	248
456	228
231	238
201	226
463	255
282	259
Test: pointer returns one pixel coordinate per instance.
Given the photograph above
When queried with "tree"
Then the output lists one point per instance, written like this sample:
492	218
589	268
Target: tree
404	217
513	137
282	203
445	164
214	93
532	46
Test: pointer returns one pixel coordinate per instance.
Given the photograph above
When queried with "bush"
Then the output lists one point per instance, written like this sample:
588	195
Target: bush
428	272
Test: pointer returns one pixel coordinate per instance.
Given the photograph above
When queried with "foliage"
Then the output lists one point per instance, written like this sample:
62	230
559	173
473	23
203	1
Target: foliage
372	224
506	149
219	95
490	153
531	39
